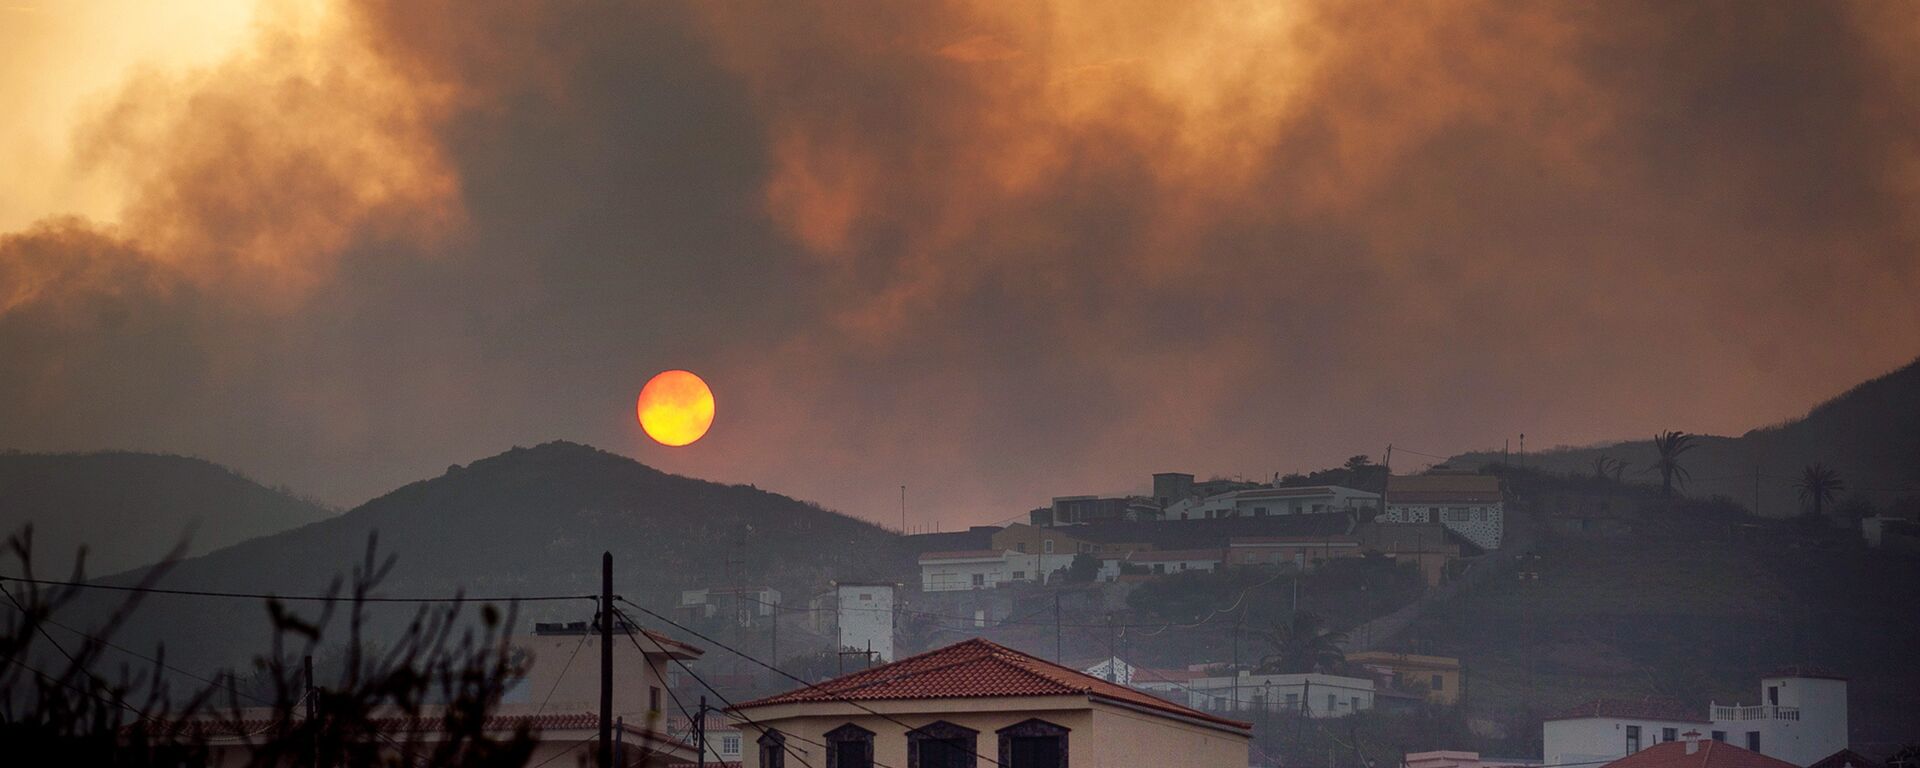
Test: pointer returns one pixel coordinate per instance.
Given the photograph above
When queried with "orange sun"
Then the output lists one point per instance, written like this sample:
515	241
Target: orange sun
676	408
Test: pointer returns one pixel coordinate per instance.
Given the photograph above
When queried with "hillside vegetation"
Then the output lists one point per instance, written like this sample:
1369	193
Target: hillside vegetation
1870	434
132	509
531	521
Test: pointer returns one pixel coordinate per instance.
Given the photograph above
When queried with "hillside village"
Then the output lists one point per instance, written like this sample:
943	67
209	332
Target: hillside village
1193	594
1458	615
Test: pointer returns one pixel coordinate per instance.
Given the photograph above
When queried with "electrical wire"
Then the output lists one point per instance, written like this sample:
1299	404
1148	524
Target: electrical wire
297	598
717	694
783	673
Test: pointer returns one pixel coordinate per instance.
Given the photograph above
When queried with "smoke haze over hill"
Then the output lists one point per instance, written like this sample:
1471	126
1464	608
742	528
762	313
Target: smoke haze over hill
993	253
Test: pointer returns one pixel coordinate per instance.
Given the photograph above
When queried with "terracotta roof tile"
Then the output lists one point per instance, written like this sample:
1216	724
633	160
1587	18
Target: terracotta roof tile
978	668
1708	754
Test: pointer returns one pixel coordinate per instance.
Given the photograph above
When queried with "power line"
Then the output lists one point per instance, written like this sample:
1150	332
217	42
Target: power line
717	694
776	670
298	598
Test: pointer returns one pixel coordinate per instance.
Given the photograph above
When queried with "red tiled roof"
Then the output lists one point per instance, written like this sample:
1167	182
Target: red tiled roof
1846	758
1634	709
979	668
1708	754
960	554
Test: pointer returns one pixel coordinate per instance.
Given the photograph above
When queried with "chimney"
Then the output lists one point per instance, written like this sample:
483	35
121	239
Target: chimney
1693	741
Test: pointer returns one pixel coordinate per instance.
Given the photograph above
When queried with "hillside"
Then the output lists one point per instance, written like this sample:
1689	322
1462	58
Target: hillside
530	521
1871	434
1694	618
130	509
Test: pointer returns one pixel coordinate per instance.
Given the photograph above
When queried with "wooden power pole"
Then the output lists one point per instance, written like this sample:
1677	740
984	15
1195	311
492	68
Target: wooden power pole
606	659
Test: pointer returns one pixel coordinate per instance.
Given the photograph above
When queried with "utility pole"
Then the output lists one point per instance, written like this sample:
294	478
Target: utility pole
1056	626
313	728
903	510
606	659
1388	463
1235	668
1111	654
700	731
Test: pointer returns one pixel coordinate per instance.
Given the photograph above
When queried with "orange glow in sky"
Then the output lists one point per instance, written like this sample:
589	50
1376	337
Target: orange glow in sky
676	408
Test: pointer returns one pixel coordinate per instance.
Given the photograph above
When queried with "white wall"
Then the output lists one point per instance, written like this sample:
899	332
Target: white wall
957	575
1595	739
866	618
1270	692
1808	724
1483	523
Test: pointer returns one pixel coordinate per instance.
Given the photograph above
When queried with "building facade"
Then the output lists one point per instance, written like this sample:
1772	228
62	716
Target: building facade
1438	677
1801	719
976	704
866	617
1313	694
1301	552
1470	505
1267	502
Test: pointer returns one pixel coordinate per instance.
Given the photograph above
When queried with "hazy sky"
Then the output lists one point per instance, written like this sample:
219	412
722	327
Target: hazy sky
992	251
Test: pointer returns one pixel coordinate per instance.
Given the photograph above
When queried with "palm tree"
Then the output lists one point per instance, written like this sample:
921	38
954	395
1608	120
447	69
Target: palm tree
1303	644
1671	445
1608	467
1819	485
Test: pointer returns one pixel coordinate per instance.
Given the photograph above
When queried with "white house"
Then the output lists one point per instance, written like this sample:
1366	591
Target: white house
1262	502
1802	719
722	736
964	569
866	617
1177	560
1315	694
1467	504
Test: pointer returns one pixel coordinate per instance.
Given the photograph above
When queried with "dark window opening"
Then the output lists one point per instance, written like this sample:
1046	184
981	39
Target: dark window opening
942	745
1633	739
1753	741
1033	744
1668	734
1720	736
849	746
773	750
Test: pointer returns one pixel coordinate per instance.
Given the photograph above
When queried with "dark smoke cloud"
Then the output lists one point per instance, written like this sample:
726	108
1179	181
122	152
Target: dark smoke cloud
994	254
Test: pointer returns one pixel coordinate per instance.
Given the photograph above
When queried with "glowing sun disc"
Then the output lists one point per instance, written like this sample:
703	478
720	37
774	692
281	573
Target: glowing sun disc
675	408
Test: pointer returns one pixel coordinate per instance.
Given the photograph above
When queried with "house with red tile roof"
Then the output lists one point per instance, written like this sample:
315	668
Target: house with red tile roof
1691	750
1801	719
977	703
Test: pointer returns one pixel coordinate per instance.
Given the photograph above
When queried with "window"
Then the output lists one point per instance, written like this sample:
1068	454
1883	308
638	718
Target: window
1773	695
1333	704
1670	734
1753	741
1293	701
773	750
1479	514
866	597
653	698
1159	567
849	746
1319	507
1033	744
942	745
1356	703
979	579
1720	736
1047	546
1259	511
730	745
1439	683
1633	739
1019	575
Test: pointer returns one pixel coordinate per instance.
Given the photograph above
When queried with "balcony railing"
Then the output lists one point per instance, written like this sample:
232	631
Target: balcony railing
1755	712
